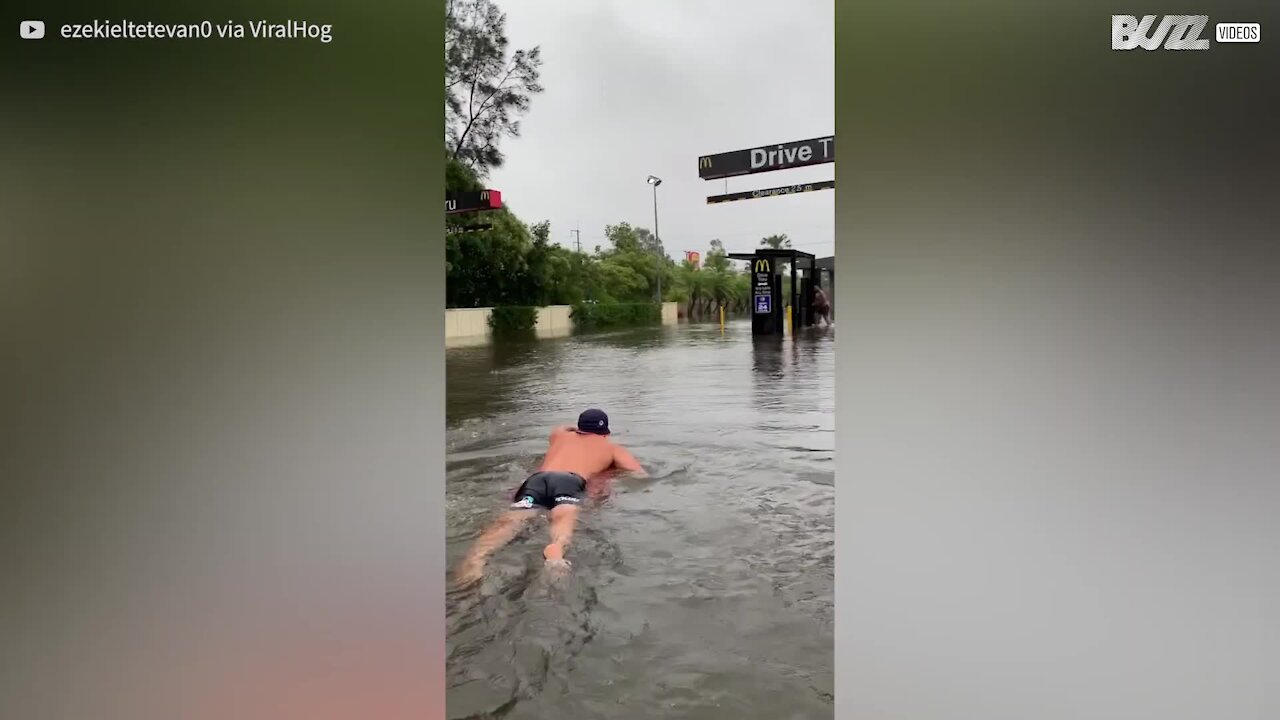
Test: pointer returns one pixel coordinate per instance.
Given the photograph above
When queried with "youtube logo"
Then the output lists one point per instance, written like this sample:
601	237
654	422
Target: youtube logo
31	29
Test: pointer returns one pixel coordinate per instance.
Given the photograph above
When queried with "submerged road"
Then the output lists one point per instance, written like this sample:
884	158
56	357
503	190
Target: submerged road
704	592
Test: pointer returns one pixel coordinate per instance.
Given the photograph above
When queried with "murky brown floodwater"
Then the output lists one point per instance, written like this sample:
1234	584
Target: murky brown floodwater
704	592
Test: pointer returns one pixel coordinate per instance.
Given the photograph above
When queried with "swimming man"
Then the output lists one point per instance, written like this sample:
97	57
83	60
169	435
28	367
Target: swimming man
571	470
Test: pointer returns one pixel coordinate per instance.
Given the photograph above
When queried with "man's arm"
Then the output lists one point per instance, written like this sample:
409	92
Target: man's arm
627	462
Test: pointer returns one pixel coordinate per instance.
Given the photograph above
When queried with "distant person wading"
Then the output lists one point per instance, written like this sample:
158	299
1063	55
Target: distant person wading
821	306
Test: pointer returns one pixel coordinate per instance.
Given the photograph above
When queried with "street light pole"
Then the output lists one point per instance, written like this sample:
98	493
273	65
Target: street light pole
655	182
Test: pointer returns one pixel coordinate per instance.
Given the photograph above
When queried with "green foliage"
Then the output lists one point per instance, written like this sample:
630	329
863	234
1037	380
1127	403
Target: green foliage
595	316
492	267
630	268
569	277
514	266
717	282
777	242
517	264
458	177
487	88
509	320
717	259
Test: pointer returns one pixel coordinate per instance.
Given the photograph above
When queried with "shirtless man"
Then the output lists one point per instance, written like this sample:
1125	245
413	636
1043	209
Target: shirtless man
570	471
821	306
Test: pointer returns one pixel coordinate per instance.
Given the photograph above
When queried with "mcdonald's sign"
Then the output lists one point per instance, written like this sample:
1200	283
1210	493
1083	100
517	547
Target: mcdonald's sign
468	202
692	257
767	158
763	271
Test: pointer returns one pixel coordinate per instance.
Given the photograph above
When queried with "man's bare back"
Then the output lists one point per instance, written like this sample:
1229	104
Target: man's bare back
586	455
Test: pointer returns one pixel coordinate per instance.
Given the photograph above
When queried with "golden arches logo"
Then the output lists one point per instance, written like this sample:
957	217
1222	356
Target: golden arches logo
704	163
762	265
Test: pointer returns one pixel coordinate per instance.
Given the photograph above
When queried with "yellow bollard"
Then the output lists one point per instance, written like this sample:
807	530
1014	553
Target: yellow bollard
721	317
791	328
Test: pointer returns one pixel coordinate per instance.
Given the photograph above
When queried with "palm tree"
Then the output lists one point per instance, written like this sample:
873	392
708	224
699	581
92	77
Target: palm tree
704	291
777	242
716	282
691	287
720	287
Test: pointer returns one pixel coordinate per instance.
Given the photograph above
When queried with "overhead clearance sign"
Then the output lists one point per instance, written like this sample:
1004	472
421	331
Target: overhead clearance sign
459	229
772	192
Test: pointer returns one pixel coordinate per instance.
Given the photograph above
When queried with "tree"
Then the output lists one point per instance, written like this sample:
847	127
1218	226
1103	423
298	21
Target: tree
458	177
717	258
571	277
624	238
649	242
636	249
537	271
486	92
717	282
490	267
777	242
624	282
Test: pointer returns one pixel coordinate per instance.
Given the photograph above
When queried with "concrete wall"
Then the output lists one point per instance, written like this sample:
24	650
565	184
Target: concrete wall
554	321
670	313
466	325
470	326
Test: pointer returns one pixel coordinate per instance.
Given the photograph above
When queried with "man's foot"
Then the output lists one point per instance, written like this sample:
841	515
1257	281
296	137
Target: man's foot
554	551
556	564
469	573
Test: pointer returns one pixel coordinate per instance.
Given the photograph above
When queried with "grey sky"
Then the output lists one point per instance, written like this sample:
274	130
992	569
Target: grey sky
640	88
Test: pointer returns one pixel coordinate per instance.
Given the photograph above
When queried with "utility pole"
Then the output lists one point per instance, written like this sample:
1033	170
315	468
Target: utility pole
577	241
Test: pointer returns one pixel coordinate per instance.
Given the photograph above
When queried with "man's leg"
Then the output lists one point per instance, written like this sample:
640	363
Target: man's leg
563	520
500	533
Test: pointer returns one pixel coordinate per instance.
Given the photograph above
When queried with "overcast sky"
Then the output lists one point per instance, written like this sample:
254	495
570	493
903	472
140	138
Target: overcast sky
640	88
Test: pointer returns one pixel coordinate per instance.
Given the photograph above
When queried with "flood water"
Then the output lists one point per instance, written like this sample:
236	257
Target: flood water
705	591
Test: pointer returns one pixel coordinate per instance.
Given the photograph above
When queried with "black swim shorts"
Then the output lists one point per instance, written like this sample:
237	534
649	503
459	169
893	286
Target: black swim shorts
549	489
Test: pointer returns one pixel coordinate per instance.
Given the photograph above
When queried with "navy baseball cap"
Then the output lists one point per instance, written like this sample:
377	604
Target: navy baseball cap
593	421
